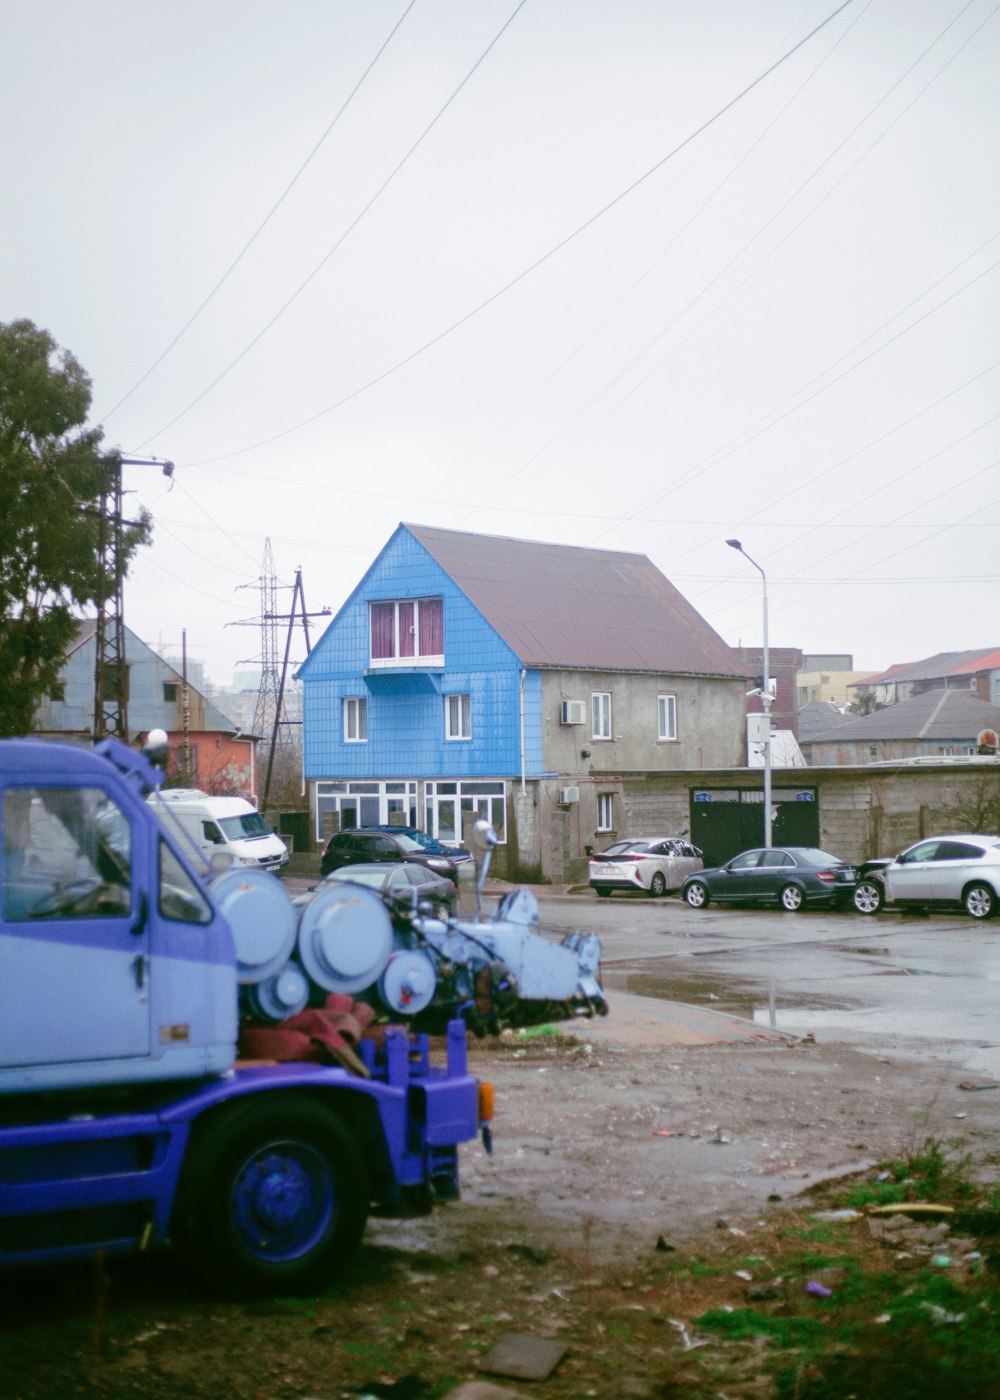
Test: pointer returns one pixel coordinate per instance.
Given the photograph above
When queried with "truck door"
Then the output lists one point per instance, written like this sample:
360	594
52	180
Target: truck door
74	942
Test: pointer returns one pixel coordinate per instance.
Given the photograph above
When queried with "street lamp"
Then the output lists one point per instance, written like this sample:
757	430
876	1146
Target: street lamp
765	698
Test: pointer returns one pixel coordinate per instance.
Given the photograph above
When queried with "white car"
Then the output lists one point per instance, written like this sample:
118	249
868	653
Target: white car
962	870
651	863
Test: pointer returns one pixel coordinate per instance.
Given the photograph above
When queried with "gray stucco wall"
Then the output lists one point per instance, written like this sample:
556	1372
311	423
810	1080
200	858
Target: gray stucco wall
711	732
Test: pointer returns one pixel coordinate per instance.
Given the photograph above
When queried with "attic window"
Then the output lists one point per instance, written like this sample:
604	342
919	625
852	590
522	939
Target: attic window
170	692
407	632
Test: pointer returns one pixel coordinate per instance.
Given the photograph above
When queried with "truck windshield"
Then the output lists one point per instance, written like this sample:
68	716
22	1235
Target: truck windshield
67	854
249	825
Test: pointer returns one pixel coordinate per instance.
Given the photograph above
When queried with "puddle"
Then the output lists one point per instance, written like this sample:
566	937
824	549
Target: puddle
720	994
818	1018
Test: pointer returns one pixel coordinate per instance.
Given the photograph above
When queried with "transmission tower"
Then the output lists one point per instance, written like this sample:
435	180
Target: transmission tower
270	720
266	716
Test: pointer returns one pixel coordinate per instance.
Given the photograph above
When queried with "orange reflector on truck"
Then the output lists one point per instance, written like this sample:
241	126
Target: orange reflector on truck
485	1103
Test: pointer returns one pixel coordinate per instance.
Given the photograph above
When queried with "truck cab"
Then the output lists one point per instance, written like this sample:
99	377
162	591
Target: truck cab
117	966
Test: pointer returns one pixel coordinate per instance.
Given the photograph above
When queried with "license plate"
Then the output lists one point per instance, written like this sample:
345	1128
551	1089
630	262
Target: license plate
607	870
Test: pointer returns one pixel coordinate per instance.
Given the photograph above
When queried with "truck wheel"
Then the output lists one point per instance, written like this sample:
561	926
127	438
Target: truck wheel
868	897
273	1199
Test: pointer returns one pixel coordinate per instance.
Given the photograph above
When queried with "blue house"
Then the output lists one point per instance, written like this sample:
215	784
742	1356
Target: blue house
474	676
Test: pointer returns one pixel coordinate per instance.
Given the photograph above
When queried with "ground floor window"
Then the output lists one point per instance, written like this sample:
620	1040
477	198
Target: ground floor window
605	811
448	803
340	805
439	808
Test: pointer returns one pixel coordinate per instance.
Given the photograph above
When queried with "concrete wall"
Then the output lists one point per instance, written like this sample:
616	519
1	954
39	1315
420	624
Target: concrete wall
827	685
856	751
863	811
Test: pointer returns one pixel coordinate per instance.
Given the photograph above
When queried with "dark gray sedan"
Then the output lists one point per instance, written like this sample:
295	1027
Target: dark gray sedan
789	876
399	882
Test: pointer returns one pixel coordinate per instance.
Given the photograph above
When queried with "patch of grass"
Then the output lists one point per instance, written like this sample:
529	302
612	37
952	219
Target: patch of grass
812	1234
746	1324
936	1170
890	1329
698	1268
875	1193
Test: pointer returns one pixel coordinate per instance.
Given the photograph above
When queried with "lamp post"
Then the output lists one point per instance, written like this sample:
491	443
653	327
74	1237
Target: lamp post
765	698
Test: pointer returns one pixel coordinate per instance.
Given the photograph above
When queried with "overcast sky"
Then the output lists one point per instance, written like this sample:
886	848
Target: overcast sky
633	274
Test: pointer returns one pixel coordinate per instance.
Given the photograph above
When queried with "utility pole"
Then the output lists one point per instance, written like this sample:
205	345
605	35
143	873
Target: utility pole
765	697
298	596
110	664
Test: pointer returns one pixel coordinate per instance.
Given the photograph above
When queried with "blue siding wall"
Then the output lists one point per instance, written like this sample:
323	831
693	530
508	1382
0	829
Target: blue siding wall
406	709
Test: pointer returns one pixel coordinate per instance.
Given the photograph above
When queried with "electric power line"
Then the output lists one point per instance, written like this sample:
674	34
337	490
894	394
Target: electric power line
263	225
533	267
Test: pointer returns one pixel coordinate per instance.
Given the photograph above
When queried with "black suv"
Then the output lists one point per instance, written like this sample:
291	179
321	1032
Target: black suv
391	843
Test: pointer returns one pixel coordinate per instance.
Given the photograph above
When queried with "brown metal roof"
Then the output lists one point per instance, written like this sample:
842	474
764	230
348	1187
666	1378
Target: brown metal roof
933	668
568	606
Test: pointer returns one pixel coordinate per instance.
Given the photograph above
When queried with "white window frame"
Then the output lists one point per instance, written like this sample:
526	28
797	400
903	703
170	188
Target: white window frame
448	803
600	714
666	717
605	811
355	713
398	661
458	716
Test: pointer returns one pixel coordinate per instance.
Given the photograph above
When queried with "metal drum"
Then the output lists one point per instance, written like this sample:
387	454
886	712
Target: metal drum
283	995
260	913
407	985
345	937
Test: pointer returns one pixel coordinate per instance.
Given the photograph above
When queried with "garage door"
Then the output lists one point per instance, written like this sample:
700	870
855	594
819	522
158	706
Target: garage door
725	821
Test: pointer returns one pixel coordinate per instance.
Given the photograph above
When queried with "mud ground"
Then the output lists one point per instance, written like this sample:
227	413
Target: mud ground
611	1153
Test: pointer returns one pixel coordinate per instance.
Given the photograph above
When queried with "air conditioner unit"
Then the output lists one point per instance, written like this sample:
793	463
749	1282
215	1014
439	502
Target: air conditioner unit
573	712
568	795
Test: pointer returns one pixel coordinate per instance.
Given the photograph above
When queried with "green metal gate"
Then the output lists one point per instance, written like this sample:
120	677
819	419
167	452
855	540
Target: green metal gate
725	821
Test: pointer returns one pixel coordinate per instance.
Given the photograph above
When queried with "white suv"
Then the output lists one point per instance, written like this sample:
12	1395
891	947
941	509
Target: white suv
962	870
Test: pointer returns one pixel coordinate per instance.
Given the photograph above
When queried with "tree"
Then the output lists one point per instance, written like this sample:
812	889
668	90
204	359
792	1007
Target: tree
978	806
864	703
53	477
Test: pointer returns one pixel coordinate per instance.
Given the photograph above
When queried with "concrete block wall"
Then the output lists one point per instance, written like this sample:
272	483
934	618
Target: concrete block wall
863	812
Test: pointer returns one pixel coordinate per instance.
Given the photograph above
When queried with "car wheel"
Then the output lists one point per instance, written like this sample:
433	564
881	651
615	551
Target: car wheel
979	901
696	894
791	899
603	891
868	897
657	886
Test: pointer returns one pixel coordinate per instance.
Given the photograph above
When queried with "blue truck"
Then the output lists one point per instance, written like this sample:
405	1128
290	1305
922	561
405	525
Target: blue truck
128	1118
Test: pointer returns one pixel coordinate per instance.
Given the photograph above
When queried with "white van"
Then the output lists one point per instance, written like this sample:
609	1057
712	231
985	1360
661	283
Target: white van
222	825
